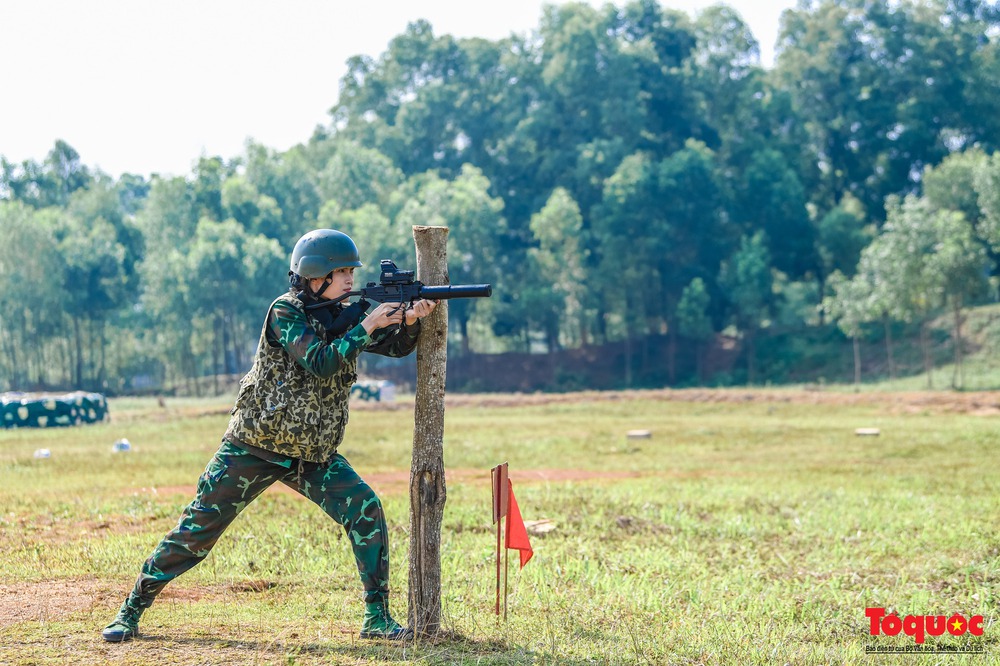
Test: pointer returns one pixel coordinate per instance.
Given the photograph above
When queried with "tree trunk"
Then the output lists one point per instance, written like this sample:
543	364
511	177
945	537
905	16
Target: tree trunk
888	347
628	360
427	488
10	345
237	335
225	346
93	350
88	356
602	325
102	370
463	326
66	376
552	335
216	343
857	362
645	351
822	290
925	348
672	354
77	335
192	372
958	376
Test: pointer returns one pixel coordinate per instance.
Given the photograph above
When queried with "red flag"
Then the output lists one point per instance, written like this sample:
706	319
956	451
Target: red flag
517	535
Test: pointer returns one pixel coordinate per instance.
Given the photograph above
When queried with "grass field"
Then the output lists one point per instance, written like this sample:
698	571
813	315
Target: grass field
747	530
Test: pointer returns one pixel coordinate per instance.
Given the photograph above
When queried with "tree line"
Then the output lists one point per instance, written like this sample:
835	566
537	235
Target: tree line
624	173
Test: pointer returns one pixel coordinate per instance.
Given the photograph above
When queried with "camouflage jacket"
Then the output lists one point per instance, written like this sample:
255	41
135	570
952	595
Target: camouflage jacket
294	400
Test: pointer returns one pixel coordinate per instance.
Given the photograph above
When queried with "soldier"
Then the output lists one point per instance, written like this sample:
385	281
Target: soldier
287	423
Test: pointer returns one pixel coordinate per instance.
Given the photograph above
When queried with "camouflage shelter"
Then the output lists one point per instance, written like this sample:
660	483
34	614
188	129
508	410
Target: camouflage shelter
47	410
377	391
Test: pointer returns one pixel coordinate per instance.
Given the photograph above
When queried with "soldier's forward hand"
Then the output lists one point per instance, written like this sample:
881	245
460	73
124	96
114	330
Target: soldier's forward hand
386	314
419	310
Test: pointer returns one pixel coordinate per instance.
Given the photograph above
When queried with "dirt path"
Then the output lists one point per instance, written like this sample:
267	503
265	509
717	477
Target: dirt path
52	600
978	402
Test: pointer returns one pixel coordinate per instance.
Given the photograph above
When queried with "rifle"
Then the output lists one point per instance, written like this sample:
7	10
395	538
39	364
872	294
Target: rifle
398	286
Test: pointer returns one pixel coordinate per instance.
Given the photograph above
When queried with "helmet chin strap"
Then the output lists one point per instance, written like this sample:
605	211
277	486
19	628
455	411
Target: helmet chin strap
327	281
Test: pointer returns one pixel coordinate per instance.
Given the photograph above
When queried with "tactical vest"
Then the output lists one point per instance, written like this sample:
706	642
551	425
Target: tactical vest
283	408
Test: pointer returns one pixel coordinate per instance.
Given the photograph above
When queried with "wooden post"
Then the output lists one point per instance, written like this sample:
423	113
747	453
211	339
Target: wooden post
501	504
427	489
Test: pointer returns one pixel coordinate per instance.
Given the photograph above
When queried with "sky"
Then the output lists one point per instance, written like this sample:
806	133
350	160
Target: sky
145	87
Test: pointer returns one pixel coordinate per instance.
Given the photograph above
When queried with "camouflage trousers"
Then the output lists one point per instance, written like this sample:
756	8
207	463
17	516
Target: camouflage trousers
233	479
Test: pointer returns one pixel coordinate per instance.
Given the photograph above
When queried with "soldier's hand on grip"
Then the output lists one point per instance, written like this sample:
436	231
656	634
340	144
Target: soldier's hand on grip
386	314
419	310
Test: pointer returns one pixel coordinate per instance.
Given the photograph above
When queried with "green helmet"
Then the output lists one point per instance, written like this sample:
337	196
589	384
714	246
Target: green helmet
321	251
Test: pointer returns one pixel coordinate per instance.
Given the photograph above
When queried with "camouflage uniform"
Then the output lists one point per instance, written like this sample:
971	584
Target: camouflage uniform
287	423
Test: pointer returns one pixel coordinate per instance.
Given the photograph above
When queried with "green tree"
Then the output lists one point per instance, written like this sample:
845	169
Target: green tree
99	248
375	234
559	265
31	322
257	213
758	149
850	303
209	174
960	260
132	192
355	176
881	88
168	222
49	183
166	314
899	257
694	322
770	198
951	185
631	230
291	181
746	281
477	226
664	219
986	180
928	258
231	277
841	235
